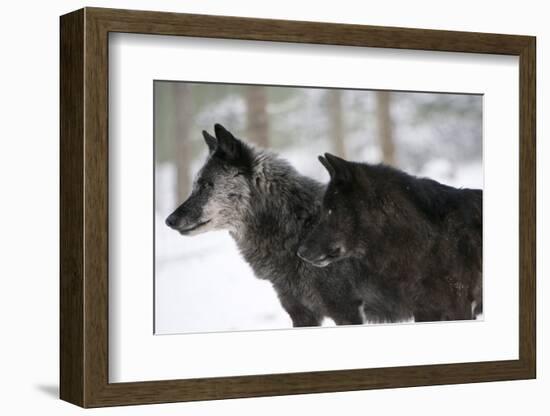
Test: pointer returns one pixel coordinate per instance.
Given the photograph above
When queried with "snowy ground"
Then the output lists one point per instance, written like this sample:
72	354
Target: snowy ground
203	285
207	287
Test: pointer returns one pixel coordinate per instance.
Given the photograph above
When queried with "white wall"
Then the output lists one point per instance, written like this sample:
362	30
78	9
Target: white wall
29	206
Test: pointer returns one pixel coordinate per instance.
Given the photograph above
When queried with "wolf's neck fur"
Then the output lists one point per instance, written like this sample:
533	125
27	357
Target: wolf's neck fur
281	201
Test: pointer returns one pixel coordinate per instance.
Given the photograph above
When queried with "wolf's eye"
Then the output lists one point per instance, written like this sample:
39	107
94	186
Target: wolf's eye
206	184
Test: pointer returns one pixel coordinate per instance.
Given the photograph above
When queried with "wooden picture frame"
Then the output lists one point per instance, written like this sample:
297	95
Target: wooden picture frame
84	207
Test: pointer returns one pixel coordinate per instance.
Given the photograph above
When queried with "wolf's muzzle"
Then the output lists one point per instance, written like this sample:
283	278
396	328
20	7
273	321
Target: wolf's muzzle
317	258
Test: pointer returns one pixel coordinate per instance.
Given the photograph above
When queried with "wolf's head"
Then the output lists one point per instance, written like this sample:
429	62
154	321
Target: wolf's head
335	236
221	188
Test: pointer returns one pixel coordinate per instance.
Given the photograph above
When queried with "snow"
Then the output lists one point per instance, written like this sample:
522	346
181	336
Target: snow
207	287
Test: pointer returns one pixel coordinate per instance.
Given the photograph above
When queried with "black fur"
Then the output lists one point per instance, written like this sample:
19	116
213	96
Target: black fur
423	237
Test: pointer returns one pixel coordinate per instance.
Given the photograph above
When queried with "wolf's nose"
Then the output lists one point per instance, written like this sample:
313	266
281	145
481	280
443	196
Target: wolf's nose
301	252
171	221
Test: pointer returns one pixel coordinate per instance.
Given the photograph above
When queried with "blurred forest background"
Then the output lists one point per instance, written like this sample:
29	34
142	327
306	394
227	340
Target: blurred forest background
421	133
437	135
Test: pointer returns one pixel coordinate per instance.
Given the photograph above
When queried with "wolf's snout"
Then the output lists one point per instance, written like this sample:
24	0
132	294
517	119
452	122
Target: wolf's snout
318	256
308	254
172	221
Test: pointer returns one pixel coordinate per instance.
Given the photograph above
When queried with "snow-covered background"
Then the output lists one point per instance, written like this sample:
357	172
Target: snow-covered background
201	283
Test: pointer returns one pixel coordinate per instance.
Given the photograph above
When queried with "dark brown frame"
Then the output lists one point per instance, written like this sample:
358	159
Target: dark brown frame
84	209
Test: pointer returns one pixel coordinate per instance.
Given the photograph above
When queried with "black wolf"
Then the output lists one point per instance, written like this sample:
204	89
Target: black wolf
423	237
268	208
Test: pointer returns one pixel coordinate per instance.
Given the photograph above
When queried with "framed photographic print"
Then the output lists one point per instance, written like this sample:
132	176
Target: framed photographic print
256	207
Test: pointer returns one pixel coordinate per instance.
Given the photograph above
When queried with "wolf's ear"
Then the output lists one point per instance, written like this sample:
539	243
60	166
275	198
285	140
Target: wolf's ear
337	167
227	144
210	140
327	166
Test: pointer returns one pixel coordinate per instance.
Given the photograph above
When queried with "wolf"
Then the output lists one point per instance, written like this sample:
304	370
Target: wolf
423	237
267	207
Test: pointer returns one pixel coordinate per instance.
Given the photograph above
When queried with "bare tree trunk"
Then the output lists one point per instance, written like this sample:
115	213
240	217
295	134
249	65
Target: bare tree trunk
182	144
385	135
257	117
336	124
